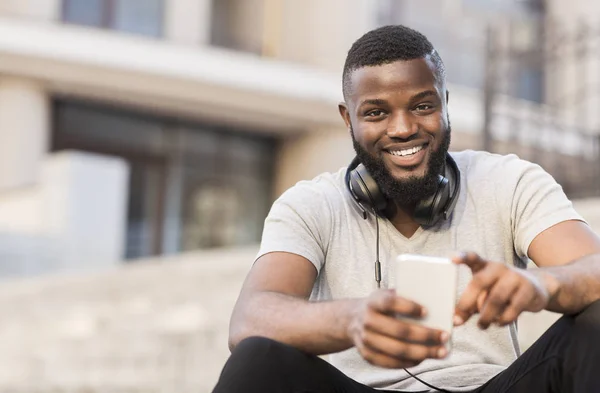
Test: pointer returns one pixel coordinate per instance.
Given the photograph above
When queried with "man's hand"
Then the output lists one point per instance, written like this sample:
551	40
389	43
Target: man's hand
500	293
386	341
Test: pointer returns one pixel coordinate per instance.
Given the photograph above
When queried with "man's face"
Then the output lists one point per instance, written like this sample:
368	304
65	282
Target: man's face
397	115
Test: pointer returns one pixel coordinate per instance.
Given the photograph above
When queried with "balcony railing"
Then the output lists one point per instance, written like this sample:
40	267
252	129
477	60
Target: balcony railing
562	132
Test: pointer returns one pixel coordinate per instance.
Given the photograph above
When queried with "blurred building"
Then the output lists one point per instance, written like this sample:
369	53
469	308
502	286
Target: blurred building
150	128
140	128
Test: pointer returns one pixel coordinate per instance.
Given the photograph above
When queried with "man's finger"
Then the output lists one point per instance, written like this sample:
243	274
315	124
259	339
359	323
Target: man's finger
517	305
401	350
382	300
471	259
386	302
396	329
481	300
481	282
383	360
498	299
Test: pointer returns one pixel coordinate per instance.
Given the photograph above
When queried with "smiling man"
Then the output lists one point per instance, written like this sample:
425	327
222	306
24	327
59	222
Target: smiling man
313	288
404	156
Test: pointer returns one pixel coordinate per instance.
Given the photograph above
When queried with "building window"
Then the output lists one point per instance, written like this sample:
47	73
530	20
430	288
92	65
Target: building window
191	186
132	16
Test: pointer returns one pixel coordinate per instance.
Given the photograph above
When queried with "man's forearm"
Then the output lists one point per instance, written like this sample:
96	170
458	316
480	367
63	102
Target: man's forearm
314	327
573	286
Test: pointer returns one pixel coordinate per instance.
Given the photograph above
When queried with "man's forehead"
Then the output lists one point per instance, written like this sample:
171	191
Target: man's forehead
401	74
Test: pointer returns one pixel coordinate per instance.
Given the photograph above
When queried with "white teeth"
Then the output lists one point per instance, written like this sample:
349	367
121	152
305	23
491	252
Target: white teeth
406	152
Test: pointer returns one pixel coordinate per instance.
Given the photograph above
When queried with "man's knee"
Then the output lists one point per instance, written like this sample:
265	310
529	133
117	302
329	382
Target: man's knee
260	345
263	353
589	318
252	344
259	363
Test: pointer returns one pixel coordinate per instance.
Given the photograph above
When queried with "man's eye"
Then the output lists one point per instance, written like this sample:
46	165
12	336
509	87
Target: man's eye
375	113
424	107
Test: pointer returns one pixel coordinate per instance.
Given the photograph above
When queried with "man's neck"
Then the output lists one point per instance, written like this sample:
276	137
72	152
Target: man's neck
402	219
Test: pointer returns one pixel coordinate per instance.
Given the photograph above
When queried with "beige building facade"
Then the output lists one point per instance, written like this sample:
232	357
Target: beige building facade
124	83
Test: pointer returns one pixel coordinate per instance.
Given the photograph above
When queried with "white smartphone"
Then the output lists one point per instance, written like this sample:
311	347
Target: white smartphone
431	282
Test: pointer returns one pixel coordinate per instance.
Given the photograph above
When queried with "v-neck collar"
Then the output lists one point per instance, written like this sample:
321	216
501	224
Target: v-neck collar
417	235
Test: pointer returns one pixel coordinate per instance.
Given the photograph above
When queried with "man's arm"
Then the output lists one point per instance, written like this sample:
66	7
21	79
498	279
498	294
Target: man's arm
568	256
544	228
567	281
274	304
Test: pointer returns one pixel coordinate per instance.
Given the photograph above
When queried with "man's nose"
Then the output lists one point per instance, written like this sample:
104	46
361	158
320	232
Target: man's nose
401	126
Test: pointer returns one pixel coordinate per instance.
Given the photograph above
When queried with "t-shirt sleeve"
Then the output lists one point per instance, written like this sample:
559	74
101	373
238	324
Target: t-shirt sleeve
537	202
299	222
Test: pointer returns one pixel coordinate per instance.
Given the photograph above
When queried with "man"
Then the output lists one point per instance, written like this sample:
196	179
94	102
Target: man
311	290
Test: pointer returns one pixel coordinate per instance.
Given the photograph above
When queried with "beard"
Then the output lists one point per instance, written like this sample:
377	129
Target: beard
410	191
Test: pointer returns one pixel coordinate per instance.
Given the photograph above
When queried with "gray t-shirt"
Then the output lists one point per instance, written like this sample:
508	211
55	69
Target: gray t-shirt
504	203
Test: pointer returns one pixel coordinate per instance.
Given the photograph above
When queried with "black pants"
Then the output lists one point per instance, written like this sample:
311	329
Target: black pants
565	359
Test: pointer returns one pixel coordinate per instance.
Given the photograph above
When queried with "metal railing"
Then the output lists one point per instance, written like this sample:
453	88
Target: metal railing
561	132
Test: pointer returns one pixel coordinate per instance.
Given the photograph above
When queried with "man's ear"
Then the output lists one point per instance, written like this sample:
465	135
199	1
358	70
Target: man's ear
343	108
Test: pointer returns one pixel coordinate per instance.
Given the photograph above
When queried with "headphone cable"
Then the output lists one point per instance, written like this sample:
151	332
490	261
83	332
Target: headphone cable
378	280
377	263
426	384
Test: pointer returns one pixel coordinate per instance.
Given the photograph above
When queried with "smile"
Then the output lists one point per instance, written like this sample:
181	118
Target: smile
406	152
407	157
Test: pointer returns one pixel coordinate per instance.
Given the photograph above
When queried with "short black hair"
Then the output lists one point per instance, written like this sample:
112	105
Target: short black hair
386	45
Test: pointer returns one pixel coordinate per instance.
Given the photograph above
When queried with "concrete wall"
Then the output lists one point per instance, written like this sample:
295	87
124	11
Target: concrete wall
79	202
188	21
24	130
38	10
158	326
320	33
307	155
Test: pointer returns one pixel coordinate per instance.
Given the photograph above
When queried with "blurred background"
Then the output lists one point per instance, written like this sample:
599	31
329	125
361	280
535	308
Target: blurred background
142	143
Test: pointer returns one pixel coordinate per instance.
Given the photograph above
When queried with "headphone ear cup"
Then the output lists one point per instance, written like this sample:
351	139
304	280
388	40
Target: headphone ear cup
429	211
365	189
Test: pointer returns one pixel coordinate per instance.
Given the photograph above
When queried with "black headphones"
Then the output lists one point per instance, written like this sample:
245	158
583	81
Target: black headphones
365	192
